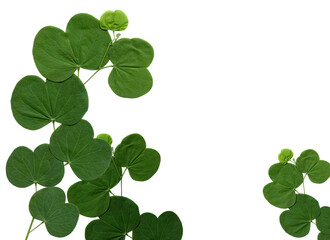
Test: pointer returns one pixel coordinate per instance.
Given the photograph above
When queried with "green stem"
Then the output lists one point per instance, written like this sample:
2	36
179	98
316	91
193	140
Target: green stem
91	76
78	71
304	182
54	125
66	163
112	193
28	233
37	227
128	236
36	186
121	182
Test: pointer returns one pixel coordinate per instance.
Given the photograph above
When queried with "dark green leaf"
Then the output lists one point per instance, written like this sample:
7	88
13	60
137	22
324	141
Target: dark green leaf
59	54
48	205
25	167
36	103
279	195
317	170
323	236
323	221
130	77
285	174
89	158
122	217
167	227
297	220
142	162
92	197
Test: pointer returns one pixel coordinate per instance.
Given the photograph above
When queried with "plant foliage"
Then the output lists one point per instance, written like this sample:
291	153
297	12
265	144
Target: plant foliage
62	98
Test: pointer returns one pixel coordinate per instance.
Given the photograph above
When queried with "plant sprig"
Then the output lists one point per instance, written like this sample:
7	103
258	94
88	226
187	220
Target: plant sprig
282	192
60	56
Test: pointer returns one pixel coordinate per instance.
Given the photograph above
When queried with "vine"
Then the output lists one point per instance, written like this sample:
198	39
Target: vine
60	56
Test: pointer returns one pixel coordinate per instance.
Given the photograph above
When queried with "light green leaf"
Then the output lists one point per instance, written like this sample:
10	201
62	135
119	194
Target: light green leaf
105	137
89	158
285	155
122	217
25	167
114	20
167	227
58	54
36	103
323	221
141	162
130	77
297	220
48	205
92	197
317	170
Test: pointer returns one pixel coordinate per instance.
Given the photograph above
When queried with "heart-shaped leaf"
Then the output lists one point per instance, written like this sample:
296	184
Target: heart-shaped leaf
130	77
36	103
141	162
297	220
25	167
323	223
281	192
317	170
48	205
122	217
167	227
58	54
89	158
92	197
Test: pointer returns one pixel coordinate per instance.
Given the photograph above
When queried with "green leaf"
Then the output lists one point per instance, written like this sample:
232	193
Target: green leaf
114	20
142	162
105	137
281	192
48	205
285	155
122	217
130	77
89	158
323	236
92	197
167	227
36	103
323	221
58	54
317	170
25	167
297	220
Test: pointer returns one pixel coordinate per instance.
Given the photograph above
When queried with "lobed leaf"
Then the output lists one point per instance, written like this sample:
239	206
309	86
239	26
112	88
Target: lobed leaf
25	167
48	205
167	227
89	158
323	221
130	77
36	103
141	162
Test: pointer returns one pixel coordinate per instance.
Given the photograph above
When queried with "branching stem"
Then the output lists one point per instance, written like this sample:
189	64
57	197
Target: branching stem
27	236
128	236
37	227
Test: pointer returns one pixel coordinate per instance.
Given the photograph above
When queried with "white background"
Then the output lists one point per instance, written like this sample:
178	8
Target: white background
234	82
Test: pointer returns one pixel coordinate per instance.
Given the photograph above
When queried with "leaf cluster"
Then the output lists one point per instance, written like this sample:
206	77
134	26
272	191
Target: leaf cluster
303	210
62	98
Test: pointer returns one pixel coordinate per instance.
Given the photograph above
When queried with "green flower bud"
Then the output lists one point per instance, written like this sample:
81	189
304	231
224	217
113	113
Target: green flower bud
105	137
285	155
114	20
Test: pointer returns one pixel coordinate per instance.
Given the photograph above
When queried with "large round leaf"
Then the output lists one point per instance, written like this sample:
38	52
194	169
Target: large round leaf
323	221
142	162
323	236
122	217
36	103
48	205
167	227
92	197
89	158
297	220
317	170
281	192
25	167
130	77
58	54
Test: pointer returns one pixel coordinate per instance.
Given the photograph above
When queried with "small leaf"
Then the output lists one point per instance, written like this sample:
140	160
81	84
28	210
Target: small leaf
297	220
142	162
89	158
36	103
48	205
25	167
92	197
130	77
285	155
317	170
114	20
167	227
323	221
105	137
58	54
281	192
122	217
